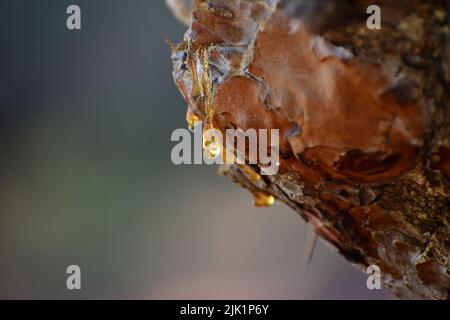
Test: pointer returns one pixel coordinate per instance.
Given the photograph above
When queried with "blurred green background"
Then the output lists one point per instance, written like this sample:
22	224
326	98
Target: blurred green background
86	176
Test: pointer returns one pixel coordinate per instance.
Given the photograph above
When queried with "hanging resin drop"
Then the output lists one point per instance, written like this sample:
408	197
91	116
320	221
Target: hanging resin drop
262	199
192	120
211	143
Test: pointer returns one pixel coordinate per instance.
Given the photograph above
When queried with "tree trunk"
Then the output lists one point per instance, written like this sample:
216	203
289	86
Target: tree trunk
363	115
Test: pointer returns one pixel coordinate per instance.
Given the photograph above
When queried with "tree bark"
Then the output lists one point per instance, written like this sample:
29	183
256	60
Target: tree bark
363	114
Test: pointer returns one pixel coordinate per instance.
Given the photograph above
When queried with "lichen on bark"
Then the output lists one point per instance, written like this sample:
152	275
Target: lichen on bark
364	120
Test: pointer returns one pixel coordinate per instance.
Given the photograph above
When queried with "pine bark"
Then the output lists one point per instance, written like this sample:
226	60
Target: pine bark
364	117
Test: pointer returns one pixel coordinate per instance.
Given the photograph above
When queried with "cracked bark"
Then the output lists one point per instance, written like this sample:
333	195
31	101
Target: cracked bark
363	115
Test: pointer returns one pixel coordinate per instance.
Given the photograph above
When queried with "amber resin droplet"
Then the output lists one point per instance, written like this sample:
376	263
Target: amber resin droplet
192	120
254	176
262	199
211	143
202	91
213	151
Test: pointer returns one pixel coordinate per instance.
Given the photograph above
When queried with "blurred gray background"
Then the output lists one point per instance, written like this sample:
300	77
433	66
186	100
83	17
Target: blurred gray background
86	176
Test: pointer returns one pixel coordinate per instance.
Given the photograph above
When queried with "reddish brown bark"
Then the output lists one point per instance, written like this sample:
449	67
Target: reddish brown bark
363	115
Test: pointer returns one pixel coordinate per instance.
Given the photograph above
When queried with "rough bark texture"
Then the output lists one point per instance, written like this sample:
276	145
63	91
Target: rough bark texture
364	120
